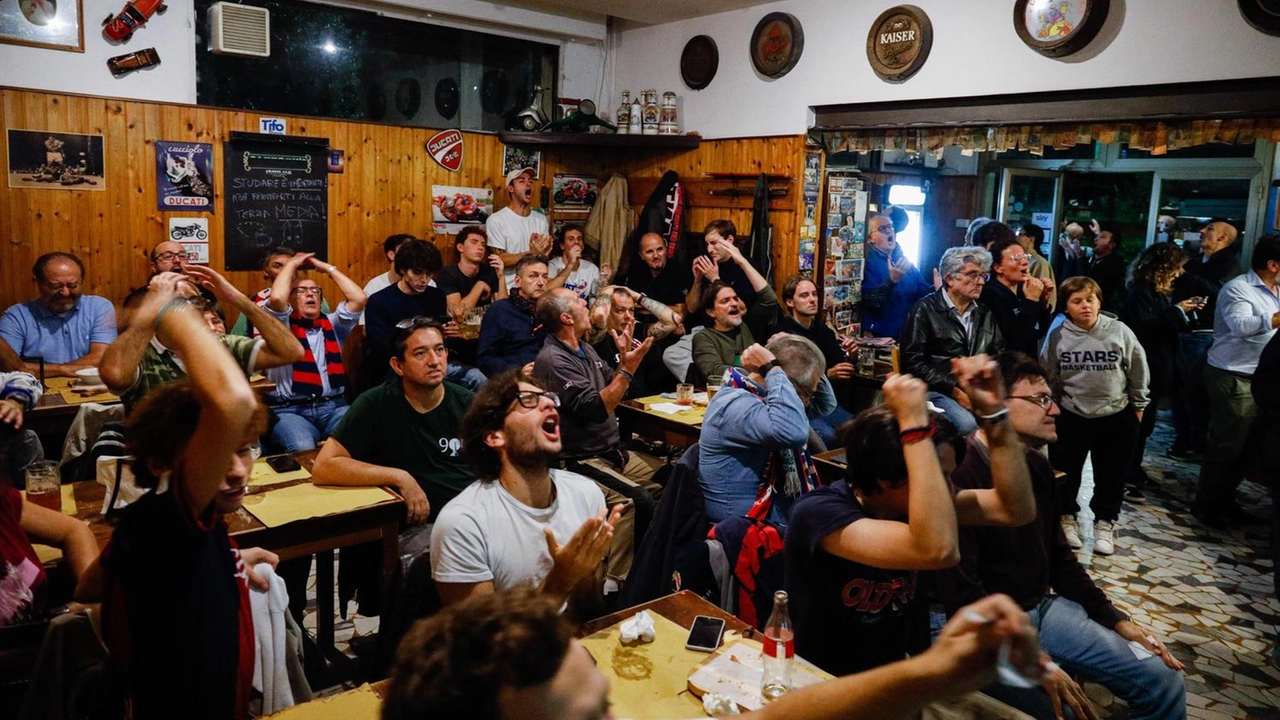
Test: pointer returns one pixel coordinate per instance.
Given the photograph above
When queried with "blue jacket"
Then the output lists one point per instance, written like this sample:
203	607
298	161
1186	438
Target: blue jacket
509	338
884	304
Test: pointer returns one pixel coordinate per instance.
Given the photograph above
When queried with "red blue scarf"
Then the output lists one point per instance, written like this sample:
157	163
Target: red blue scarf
306	374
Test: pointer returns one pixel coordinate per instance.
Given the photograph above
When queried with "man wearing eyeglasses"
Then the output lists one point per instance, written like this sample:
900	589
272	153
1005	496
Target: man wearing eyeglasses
890	283
1019	302
308	401
1034	565
522	524
68	330
951	323
167	257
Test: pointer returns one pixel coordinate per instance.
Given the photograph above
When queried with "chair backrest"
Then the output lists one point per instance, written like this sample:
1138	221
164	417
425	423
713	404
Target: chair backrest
352	362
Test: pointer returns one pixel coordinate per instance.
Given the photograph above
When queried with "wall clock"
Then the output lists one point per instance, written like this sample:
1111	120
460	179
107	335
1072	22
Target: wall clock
1057	28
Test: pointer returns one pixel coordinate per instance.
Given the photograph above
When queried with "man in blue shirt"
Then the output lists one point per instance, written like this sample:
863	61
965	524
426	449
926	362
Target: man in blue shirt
69	330
1247	315
890	283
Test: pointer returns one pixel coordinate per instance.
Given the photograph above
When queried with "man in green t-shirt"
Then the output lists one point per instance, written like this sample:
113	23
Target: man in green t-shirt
403	434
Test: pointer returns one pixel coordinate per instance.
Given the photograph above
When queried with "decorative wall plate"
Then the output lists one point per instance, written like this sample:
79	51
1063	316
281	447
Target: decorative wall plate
1263	15
1057	28
776	44
899	42
408	97
447	98
699	62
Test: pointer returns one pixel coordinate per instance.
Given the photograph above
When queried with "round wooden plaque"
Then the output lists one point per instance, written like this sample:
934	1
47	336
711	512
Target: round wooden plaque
1263	15
1057	28
776	44
699	62
899	42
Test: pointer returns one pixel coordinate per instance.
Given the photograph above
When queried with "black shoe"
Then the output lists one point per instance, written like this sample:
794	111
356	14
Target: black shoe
1209	519
1237	515
1134	495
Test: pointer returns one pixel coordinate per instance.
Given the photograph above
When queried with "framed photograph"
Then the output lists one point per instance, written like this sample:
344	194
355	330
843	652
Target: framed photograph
574	190
1057	28
56	160
53	24
514	158
453	208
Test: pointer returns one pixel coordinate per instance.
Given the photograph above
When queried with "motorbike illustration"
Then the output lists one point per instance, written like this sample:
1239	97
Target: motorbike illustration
575	192
180	232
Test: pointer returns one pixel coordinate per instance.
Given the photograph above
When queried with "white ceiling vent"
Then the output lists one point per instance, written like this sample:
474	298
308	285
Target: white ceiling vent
239	30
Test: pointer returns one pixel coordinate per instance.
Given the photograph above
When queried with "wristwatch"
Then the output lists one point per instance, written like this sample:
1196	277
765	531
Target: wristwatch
765	368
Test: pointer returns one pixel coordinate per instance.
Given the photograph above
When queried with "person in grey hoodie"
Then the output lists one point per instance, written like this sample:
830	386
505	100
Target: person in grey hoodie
1104	392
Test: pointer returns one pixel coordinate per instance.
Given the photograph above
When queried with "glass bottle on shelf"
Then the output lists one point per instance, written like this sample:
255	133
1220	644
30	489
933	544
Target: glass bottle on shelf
624	113
652	115
778	655
633	127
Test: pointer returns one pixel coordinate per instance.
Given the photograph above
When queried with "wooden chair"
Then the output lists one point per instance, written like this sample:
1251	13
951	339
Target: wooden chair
353	361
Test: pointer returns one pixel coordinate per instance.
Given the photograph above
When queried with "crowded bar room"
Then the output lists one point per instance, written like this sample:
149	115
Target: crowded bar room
595	359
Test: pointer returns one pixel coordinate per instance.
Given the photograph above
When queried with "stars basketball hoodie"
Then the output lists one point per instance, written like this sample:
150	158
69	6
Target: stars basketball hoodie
1103	370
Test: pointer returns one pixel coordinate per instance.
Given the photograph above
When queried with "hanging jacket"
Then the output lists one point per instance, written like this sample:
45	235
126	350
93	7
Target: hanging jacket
759	249
610	221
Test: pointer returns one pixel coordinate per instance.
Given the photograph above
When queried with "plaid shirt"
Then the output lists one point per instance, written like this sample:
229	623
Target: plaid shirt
159	365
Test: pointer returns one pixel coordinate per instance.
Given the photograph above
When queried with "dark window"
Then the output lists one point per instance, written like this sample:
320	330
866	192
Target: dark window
1083	151
1209	150
355	65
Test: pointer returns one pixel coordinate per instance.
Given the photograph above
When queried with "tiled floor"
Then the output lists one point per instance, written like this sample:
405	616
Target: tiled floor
1208	593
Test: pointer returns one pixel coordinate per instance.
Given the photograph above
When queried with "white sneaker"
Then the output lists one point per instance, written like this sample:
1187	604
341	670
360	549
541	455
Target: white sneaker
1104	541
1072	531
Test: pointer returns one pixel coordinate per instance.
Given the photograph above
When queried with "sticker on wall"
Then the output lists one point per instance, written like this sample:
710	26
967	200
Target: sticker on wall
515	158
41	23
453	208
193	233
699	62
776	44
1263	15
273	126
184	175
899	42
56	160
445	147
337	161
1057	28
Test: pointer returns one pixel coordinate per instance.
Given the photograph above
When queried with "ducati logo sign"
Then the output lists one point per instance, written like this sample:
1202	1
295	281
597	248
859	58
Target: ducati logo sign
445	147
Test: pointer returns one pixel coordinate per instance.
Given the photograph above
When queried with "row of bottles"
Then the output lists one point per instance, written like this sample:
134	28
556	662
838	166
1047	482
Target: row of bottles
643	116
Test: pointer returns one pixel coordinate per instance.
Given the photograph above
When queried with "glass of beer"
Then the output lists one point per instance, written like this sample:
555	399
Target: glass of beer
469	329
684	393
44	484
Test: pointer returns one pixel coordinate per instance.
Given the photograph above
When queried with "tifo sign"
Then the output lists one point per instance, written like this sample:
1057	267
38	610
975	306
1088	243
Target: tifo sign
899	42
776	44
272	126
445	147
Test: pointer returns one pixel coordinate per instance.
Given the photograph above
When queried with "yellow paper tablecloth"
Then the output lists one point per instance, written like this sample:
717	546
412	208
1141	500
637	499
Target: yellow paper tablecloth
264	475
68	499
357	704
302	502
692	416
46	553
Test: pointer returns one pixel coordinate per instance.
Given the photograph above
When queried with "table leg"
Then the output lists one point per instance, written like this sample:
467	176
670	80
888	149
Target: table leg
325	588
390	561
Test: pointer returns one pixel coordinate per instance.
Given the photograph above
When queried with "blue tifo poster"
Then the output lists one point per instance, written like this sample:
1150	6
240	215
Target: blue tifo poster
184	176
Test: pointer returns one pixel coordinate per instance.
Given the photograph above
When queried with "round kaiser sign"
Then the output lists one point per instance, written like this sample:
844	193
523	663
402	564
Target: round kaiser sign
899	42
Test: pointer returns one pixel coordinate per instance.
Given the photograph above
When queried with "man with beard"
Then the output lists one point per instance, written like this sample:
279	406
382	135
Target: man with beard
725	263
719	346
891	284
510	335
522	524
1019	302
1034	565
308	400
68	330
516	229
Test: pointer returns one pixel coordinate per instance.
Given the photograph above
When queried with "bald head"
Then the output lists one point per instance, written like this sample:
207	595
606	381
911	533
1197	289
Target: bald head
653	251
1217	236
167	257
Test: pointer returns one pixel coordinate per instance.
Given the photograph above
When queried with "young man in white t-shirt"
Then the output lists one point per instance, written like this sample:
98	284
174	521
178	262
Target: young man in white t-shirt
516	229
521	524
572	271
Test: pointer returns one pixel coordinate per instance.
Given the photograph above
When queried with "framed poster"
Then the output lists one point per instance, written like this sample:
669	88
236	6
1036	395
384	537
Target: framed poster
574	191
1057	28
53	24
453	208
56	160
184	175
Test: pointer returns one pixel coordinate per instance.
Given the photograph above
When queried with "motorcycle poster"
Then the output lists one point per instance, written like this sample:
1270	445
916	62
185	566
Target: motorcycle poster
184	176
574	191
193	233
453	208
56	160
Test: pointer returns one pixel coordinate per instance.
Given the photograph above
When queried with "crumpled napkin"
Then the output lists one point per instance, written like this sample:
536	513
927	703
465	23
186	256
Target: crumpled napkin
719	705
640	627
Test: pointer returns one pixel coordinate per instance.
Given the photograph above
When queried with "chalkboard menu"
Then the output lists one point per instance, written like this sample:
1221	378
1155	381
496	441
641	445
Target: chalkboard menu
277	193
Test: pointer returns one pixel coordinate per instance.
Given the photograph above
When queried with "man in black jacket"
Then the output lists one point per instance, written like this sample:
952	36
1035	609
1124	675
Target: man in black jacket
951	323
1108	270
1019	302
1079	627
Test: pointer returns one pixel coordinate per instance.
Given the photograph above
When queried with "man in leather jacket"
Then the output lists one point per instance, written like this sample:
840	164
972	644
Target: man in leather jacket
949	324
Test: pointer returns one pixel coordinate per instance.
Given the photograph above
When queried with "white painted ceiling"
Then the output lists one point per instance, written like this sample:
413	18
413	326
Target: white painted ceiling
644	12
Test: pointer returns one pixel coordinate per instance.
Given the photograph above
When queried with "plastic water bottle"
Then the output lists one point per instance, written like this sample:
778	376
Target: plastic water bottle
779	650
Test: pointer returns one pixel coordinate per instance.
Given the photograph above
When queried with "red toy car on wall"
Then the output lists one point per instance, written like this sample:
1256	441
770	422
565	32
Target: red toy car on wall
134	15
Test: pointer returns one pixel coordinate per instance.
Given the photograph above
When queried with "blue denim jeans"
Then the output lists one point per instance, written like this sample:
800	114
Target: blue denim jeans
300	427
827	425
954	412
468	377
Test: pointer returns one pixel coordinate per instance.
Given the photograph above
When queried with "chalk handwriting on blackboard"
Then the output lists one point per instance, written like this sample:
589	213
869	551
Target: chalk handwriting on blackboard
277	194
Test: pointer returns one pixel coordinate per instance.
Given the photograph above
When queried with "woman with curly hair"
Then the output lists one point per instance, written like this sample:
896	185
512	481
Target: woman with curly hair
1153	316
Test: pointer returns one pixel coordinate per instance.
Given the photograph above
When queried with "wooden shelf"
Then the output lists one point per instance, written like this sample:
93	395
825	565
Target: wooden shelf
649	142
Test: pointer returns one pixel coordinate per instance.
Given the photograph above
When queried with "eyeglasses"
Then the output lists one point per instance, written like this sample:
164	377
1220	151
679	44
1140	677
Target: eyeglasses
882	228
1016	258
1044	401
59	287
317	291
973	276
167	256
531	398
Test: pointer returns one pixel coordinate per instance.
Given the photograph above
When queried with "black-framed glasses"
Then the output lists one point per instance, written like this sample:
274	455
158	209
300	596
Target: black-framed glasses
531	398
317	291
1043	400
167	256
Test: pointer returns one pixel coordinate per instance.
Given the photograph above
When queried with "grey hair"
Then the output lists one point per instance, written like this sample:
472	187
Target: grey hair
551	306
954	260
799	358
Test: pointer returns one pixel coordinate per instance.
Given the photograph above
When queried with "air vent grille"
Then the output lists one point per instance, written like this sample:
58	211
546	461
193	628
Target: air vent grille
239	30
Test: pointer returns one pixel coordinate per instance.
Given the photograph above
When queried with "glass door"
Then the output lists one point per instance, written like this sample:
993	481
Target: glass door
1032	197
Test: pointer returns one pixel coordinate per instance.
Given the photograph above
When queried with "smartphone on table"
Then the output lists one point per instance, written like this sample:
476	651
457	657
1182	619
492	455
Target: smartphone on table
705	634
283	463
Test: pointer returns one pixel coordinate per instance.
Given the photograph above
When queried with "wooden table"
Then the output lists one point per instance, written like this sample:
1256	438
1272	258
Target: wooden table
318	536
681	430
831	465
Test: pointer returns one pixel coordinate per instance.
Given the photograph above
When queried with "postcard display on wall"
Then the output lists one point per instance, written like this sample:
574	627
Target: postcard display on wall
846	224
809	228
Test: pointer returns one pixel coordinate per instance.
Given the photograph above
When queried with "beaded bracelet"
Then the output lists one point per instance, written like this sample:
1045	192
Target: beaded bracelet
916	434
630	377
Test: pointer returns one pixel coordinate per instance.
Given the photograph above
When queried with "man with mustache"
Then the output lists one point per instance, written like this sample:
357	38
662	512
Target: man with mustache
69	330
